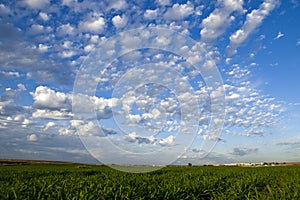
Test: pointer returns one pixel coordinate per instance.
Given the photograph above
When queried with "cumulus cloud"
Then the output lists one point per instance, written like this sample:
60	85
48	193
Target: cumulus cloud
179	11
32	137
21	87
217	22
44	16
133	137
66	43
86	128
49	125
95	25
253	20
163	2
39	29
65	29
119	21
39	4
151	14
52	114
247	111
67	54
167	141
117	4
43	47
9	75
46	98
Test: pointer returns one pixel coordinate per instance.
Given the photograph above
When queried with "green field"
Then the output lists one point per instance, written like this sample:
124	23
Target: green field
69	181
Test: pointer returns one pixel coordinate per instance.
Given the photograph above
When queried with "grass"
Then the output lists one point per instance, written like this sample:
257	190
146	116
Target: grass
68	181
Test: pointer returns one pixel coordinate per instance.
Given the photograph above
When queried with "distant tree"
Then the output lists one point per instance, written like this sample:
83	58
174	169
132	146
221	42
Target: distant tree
190	164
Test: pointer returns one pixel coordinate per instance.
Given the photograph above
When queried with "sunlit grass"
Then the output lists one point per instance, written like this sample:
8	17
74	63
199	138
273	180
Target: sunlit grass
68	181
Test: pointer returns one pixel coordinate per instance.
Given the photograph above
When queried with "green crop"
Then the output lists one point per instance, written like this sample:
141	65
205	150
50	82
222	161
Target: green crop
99	182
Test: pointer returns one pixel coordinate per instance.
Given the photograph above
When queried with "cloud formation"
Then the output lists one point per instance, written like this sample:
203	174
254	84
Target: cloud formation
44	44
253	20
218	21
243	151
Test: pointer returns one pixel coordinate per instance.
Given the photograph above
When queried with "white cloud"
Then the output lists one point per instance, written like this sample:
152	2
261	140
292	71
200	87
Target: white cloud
232	97
253	20
21	87
151	14
133	137
39	29
52	114
167	141
43	47
46	98
163	2
279	35
88	47
95	25
298	42
217	22
44	16
179	11
32	137
65	29
37	3
49	125
67	44
67	54
86	128
119	22
253	64
9	74
117	4
94	39
24	122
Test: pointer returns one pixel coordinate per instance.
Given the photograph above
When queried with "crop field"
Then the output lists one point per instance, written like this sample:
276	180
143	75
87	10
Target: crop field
73	181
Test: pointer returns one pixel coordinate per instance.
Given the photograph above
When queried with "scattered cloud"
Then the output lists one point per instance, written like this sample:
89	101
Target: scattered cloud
44	16
37	4
117	4
151	14
163	2
65	29
279	35
45	98
45	50
179	11
119	21
49	125
95	25
32	138
253	20
243	151
217	22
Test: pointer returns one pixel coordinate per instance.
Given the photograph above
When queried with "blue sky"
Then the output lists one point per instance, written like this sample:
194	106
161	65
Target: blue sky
155	82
